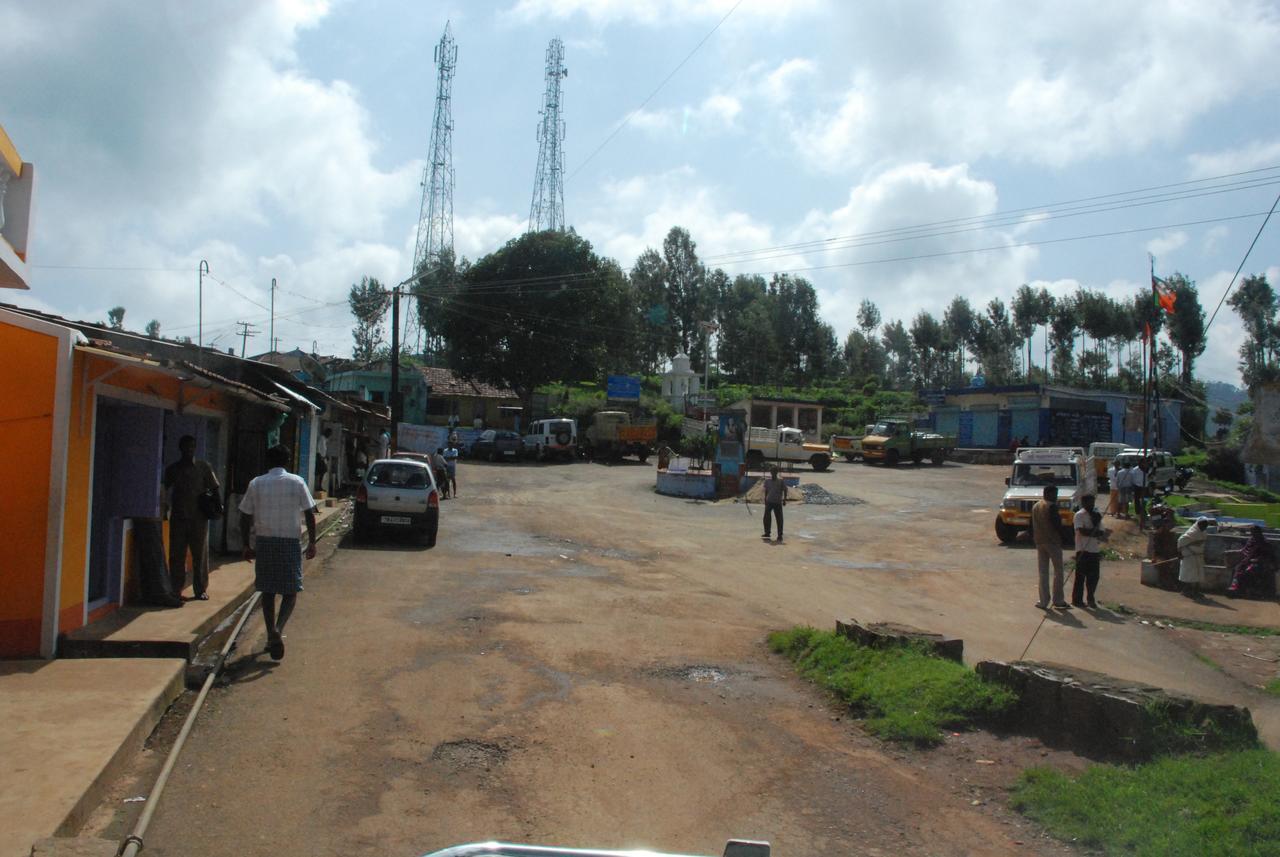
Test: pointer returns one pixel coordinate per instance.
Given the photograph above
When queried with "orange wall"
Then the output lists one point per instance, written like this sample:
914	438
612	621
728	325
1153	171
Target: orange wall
76	526
26	412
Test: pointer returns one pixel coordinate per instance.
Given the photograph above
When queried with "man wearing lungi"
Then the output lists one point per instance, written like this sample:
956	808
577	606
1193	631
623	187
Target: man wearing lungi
273	509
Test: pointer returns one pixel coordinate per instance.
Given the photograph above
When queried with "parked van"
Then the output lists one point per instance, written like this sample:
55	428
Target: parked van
552	438
1162	470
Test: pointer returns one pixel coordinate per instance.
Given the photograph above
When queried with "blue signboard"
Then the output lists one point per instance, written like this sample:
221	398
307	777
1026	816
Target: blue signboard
623	388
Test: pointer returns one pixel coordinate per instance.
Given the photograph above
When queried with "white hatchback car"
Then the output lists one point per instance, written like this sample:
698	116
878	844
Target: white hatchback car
398	494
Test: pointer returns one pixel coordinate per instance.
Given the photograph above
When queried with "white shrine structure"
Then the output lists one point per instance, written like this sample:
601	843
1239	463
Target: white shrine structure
680	383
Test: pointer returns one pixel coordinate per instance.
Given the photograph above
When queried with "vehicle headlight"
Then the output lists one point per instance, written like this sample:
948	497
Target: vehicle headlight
1011	505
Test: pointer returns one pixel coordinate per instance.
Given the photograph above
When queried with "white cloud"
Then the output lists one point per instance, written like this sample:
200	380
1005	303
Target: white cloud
1256	155
779	84
1166	243
718	112
1062	85
603	13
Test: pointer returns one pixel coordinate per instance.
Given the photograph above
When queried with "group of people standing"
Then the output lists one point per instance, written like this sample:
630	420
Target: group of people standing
1046	530
1128	485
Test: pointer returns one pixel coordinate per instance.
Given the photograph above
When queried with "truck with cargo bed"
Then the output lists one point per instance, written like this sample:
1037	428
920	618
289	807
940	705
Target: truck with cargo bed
614	434
784	444
893	440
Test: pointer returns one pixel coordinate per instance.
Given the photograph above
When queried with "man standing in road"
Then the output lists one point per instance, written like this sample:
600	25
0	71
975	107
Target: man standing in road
185	480
1046	528
273	508
1123	486
451	466
775	497
1089	537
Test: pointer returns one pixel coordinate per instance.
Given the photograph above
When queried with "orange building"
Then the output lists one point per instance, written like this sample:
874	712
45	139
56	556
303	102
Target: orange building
87	431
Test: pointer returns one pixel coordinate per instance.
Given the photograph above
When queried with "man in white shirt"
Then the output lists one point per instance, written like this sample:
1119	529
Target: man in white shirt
1122	487
1138	480
273	509
1089	536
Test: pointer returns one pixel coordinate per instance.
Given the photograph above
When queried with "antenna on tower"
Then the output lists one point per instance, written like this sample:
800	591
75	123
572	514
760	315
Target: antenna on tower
547	209
435	216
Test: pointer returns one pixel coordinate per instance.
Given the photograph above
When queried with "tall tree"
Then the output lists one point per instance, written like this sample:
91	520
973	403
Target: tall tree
928	340
686	289
996	342
437	278
897	345
115	318
1026	316
958	320
868	318
1255	301
864	357
746	333
153	328
1186	325
659	334
368	301
1063	327
516	320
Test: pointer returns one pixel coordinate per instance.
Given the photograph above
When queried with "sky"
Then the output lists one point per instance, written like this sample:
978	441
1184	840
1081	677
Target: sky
903	152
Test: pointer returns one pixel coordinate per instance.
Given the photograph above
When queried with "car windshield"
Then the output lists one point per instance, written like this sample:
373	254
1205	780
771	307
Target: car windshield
395	475
1025	474
883	429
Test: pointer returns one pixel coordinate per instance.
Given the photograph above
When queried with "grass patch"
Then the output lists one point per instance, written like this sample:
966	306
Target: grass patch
1175	735
1207	661
1260	493
1227	803
904	693
1273	687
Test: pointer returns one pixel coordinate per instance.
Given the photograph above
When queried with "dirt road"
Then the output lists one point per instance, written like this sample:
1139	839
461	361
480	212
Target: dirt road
581	662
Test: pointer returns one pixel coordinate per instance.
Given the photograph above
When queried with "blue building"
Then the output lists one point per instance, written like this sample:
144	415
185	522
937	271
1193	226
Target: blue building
1048	415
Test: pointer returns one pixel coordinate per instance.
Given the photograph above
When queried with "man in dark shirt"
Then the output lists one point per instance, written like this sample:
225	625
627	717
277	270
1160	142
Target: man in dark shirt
1046	529
185	480
775	497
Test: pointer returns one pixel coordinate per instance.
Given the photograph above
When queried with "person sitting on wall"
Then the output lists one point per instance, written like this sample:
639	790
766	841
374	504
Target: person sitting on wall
1255	571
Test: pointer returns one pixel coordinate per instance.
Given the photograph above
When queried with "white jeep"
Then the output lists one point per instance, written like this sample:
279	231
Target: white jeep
552	438
1033	469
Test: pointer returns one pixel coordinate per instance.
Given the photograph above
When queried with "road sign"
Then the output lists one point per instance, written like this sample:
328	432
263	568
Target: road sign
623	388
704	401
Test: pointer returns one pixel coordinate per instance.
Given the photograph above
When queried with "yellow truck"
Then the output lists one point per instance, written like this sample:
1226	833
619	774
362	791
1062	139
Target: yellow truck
893	440
614	434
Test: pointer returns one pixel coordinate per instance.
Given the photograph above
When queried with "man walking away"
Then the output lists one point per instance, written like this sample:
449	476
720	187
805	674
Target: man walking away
775	497
441	470
273	508
186	479
1089	538
451	466
1047	532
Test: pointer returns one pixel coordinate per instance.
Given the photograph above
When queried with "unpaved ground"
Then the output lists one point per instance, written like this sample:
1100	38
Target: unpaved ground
581	662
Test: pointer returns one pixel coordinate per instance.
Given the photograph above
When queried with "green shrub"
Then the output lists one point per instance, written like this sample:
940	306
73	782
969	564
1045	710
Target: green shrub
1226	804
904	693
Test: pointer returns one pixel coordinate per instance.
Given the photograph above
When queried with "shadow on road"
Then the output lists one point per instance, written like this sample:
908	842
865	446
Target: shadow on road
250	668
387	540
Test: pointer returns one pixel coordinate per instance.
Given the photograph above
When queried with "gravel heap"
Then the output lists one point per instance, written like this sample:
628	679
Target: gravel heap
819	496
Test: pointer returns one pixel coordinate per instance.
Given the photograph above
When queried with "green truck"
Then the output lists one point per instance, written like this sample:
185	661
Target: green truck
893	440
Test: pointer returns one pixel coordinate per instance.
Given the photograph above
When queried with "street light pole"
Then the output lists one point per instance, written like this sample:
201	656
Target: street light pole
201	270
271	338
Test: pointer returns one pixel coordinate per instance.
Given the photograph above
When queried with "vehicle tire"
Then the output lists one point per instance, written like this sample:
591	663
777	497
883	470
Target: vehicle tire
849	457
361	529
1004	532
939	456
891	458
493	456
755	459
429	533
917	457
643	456
562	438
820	462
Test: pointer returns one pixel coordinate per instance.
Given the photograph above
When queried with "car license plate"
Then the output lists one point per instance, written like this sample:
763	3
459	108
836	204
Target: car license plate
508	452
396	519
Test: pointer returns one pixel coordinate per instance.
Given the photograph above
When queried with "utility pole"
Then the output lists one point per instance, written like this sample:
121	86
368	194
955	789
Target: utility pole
708	327
201	270
246	330
272	335
395	368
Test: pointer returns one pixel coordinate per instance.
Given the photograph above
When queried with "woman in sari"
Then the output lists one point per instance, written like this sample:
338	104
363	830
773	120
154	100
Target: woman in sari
1253	575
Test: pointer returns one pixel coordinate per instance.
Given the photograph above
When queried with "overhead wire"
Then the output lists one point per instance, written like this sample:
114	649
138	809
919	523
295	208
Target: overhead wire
1240	267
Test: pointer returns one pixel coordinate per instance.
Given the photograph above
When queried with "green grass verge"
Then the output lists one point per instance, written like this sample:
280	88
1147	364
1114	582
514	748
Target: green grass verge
904	693
1226	804
1273	687
1197	624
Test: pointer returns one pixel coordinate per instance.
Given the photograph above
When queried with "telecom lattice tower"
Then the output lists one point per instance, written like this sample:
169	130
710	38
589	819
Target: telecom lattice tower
547	210
435	217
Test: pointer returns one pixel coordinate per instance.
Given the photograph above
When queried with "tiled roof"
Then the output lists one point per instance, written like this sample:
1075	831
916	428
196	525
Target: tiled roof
445	382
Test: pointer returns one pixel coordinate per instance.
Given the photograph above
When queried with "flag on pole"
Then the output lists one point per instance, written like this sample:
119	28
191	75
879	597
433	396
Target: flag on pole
1165	297
1146	331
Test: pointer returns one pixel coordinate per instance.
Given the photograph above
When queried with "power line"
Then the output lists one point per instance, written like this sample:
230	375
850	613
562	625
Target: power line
1239	268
